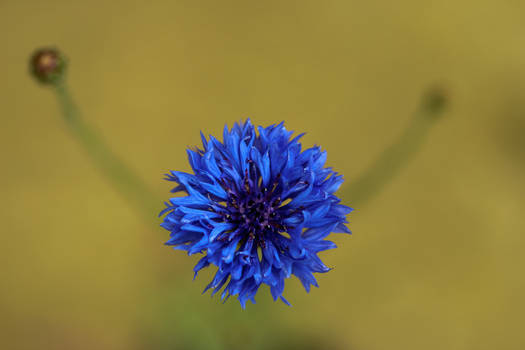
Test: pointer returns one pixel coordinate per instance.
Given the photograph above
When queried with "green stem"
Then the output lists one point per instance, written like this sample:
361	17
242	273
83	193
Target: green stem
397	155
129	185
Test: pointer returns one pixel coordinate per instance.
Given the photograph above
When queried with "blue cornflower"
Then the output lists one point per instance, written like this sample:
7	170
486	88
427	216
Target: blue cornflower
259	209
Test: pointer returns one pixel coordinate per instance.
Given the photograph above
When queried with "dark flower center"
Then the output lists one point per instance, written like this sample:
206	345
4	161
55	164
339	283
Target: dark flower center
253	209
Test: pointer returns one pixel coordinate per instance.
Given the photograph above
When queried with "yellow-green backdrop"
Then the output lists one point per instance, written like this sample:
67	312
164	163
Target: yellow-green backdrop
435	261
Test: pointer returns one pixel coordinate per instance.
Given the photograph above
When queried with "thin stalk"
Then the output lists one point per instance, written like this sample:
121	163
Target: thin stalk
399	154
123	179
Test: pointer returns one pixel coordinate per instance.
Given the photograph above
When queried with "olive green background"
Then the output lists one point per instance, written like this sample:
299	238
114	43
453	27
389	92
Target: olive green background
435	261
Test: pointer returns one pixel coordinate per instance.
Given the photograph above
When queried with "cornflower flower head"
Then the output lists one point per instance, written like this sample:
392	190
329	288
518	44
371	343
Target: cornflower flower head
258	207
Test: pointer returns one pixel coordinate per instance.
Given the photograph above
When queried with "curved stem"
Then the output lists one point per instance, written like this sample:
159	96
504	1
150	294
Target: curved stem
125	181
399	154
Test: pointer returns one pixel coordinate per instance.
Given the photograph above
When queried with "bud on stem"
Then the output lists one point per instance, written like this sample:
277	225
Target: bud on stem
48	66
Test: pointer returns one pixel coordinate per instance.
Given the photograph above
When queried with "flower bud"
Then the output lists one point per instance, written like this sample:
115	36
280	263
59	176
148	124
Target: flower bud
435	99
48	66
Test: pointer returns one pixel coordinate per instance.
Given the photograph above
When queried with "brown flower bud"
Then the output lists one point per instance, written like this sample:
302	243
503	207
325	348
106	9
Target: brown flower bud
48	66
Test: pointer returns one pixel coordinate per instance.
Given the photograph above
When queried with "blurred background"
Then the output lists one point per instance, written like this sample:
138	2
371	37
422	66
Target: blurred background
435	260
